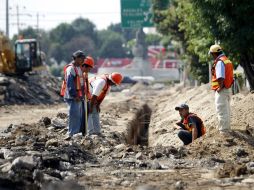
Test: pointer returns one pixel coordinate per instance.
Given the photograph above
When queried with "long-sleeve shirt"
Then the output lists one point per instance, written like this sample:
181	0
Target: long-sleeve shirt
71	91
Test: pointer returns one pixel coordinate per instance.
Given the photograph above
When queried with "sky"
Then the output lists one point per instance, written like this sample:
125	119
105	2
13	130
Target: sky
53	12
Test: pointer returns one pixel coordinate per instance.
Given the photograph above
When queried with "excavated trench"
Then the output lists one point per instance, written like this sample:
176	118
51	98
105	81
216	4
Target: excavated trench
137	131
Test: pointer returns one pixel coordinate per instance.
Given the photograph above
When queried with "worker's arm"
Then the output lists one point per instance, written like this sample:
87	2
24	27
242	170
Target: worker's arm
221	84
193	124
98	106
179	125
194	132
93	103
70	82
220	74
98	85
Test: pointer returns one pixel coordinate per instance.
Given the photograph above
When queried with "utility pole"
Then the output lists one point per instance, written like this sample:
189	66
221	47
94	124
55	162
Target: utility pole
17	7
37	23
38	16
7	18
18	14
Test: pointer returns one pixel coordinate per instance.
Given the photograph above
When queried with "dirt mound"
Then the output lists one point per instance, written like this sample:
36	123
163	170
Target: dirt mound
139	87
239	143
29	89
234	148
201	101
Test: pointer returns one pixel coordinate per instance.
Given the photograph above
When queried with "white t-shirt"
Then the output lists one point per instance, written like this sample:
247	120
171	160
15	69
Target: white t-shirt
71	70
97	86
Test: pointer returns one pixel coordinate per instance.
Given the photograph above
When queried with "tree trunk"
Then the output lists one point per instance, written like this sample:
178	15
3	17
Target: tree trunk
247	62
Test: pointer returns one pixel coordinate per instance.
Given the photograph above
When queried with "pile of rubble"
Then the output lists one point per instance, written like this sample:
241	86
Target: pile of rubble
29	89
37	156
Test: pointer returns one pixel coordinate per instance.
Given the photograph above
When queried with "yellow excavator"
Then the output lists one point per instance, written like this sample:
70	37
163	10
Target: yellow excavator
25	57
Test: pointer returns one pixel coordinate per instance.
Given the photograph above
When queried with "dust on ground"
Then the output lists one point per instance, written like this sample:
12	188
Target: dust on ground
16	114
36	156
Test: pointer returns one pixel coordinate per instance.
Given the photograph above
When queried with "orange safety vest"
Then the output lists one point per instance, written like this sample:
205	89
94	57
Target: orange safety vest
77	81
229	78
105	88
189	128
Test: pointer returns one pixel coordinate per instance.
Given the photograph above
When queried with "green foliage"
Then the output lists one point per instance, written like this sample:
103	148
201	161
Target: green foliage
84	27
197	24
111	44
127	33
62	33
232	24
178	21
153	39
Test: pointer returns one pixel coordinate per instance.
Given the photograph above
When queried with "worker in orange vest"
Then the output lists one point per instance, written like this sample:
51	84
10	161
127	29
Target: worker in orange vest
99	87
222	80
191	126
73	92
86	67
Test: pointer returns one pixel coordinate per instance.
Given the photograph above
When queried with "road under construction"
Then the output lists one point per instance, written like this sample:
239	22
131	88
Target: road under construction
139	148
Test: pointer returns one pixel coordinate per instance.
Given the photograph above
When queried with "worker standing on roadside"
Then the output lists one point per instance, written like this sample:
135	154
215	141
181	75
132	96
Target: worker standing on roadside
222	80
86	67
99	87
191	126
73	92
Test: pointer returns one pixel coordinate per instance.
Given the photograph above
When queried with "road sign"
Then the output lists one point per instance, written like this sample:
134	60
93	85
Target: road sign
136	13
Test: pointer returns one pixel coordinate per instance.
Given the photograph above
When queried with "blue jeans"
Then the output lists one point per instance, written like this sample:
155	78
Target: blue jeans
76	116
185	136
94	122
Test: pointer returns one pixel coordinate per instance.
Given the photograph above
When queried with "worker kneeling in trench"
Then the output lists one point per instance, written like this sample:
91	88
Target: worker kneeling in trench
191	126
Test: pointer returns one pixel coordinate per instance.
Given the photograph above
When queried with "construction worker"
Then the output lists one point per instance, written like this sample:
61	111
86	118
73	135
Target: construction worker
72	90
86	67
222	79
191	126
99	87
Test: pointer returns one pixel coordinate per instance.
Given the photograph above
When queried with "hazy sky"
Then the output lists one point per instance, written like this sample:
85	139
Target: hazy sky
52	12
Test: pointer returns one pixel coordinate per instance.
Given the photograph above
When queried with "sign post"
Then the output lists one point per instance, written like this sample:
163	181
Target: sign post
136	13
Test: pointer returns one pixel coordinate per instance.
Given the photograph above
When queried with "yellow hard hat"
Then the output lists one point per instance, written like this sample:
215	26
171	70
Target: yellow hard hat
215	49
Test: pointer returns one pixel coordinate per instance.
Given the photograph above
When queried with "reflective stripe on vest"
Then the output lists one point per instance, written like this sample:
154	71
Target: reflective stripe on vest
77	82
104	89
228	81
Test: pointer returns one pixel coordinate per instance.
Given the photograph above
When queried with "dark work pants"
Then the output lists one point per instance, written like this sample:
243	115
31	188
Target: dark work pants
185	136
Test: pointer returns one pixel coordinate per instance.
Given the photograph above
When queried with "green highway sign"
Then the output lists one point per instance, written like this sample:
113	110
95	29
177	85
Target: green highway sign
136	13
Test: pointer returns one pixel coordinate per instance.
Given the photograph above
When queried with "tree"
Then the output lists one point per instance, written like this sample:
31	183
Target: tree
62	33
153	39
111	45
177	21
127	33
232	24
67	38
84	27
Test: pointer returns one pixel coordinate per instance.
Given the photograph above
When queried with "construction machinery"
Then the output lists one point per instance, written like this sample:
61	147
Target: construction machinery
25	57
